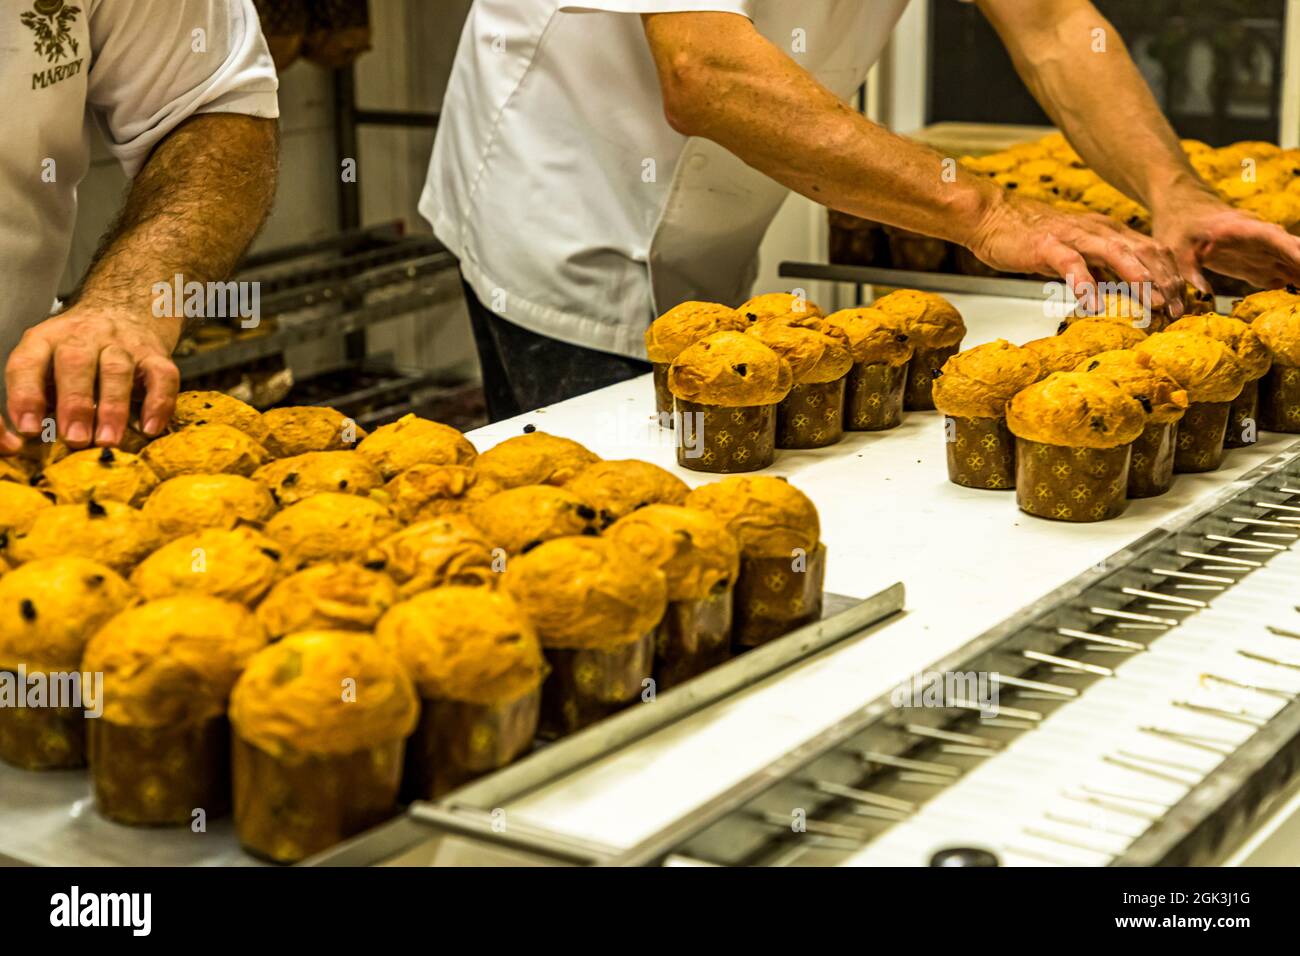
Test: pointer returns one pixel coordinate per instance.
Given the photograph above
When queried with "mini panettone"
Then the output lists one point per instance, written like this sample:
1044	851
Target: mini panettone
775	304
204	450
617	488
218	408
872	335
50	608
323	693
412	441
299	429
111	532
1076	410
189	503
587	593
291	480
19	505
731	370
684	325
1245	344
330	527
1099	335
768	517
978	382
329	597
1279	330
1205	367
238	564
174	660
1159	394
930	320
534	458
1253	306
429	491
440	551
812	356
101	474
464	644
518	519
693	548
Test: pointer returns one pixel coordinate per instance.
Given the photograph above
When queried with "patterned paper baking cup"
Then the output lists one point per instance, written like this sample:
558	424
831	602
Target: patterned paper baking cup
1243	418
911	250
158	776
918	393
288	809
663	395
981	453
693	637
1200	437
1279	400
1071	484
456	742
774	596
42	738
1151	468
724	440
811	416
585	686
873	397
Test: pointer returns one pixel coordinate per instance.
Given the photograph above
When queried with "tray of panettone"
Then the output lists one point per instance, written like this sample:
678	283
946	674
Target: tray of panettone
261	634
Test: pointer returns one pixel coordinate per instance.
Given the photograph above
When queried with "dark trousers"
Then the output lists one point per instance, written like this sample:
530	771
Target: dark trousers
523	370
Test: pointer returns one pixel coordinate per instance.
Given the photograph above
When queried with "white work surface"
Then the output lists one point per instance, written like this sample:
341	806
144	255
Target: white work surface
969	559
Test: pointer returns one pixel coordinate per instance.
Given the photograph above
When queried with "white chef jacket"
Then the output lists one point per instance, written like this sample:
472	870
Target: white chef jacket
575	209
134	68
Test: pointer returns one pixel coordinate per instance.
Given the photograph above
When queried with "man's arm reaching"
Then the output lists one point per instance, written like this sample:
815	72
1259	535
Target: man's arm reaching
192	210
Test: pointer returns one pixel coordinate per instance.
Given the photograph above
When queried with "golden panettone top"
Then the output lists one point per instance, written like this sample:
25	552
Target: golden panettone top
693	548
111	532
218	408
812	356
238	564
534	458
1076	410
50	608
204	450
1202	365
329	526
412	440
731	370
1057	353
685	324
874	337
1244	344
330	597
174	660
19	505
930	320
1099	335
1159	394
323	693
430	491
102	474
769	517
1279	208
1120	308
771	305
518	519
978	382
1279	330
293	479
298	429
189	503
1253	306
617	488
465	644
449	549
587	592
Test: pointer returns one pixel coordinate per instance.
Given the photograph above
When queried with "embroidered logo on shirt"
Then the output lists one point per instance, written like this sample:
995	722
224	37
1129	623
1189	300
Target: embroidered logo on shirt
52	21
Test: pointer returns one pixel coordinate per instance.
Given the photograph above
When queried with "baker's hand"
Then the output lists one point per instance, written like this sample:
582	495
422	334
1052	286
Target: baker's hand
1206	233
1023	235
88	353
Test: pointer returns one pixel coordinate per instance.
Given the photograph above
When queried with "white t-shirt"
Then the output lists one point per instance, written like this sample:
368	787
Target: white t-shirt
134	68
575	209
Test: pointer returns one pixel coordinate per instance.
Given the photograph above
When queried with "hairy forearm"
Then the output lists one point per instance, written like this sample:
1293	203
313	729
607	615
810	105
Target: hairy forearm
723	81
192	211
1078	68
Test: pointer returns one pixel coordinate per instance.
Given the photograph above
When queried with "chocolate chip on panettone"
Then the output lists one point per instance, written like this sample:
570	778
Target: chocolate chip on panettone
4	540
37	478
51	496
94	581
95	509
207	404
591	532
1062	327
1093	365
1098	424
271	553
28	610
1144	402
376	565
529	429
290	479
530	545
586	512
742	369
900	337
343	484
106	456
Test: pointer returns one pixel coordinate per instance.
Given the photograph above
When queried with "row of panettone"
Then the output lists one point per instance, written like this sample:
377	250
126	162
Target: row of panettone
1104	411
362	611
776	373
